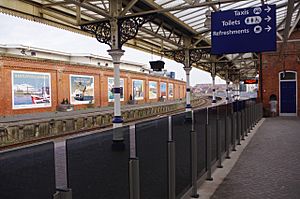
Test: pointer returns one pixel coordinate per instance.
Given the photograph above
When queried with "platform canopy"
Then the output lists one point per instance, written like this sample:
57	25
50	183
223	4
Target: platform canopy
170	22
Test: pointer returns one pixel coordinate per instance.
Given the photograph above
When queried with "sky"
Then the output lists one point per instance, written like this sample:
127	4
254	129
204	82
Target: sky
15	30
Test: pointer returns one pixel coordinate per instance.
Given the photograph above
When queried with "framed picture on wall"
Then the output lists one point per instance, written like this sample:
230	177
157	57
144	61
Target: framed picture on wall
152	90
171	91
81	89
163	90
138	89
30	89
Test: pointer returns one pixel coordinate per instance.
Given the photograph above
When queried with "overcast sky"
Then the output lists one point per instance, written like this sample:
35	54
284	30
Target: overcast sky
18	31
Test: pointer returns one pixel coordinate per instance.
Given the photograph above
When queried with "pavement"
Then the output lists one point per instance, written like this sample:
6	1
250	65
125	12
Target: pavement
268	168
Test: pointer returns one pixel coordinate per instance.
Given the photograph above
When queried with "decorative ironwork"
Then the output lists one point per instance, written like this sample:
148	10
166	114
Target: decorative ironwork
101	30
195	55
127	29
179	55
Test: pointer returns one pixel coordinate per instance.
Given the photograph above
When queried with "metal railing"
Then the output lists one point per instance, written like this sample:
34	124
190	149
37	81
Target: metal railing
162	158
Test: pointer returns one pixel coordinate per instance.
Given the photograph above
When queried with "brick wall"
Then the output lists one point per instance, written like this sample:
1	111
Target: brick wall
60	82
273	64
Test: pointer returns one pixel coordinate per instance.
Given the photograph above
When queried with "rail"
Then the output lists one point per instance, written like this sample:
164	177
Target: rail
27	131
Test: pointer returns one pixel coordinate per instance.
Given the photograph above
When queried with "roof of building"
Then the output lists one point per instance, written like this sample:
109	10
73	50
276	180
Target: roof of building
164	25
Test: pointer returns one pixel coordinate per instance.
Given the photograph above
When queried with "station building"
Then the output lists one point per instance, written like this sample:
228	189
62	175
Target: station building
281	76
39	80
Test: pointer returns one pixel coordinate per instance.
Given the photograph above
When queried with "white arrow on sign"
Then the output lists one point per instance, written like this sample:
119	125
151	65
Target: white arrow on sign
268	18
268	28
268	9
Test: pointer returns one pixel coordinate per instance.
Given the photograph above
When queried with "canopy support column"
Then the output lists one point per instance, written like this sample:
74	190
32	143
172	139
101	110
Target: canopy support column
213	75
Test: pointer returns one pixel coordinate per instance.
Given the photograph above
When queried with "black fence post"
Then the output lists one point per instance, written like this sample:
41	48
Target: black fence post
227	133
234	130
243	124
208	152
134	178
219	155
238	132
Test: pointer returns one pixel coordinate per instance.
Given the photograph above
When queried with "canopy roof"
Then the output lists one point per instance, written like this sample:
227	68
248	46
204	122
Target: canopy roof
173	22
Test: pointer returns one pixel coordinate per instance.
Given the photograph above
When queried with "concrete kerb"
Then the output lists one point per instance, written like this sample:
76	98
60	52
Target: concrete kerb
207	188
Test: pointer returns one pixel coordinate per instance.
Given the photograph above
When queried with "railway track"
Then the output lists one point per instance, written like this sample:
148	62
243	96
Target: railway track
80	132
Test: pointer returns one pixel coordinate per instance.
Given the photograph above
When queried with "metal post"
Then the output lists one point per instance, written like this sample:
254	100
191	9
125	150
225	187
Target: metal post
227	85
132	141
251	113
213	90
234	130
188	106
208	152
118	138
60	156
116	53
243	124
227	92
254	115
194	164
213	76
187	68
237	91
134	178
227	133
63	194
171	170
238	128
171	162
248	120
219	144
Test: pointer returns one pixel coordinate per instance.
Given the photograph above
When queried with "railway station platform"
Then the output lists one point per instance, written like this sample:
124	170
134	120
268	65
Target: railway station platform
267	167
164	157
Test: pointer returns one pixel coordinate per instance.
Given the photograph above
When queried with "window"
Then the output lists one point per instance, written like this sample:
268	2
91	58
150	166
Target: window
287	75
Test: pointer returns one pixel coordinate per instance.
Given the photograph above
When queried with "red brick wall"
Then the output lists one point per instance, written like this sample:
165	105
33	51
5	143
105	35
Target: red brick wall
273	63
60	82
2	91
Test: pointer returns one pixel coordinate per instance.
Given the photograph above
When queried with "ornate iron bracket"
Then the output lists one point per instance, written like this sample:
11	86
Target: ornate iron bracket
127	29
101	30
179	55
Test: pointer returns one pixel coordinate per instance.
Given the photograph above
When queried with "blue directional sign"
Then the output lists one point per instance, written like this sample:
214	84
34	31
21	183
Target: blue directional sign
244	30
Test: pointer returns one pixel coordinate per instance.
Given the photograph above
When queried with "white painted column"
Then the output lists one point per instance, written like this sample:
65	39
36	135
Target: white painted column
227	91
237	91
117	120
227	86
188	106
116	53
213	76
213	89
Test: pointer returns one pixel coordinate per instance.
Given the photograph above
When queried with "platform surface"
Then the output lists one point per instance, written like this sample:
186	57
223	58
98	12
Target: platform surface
269	166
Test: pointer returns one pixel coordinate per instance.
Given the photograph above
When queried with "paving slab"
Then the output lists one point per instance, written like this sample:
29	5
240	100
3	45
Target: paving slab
269	166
